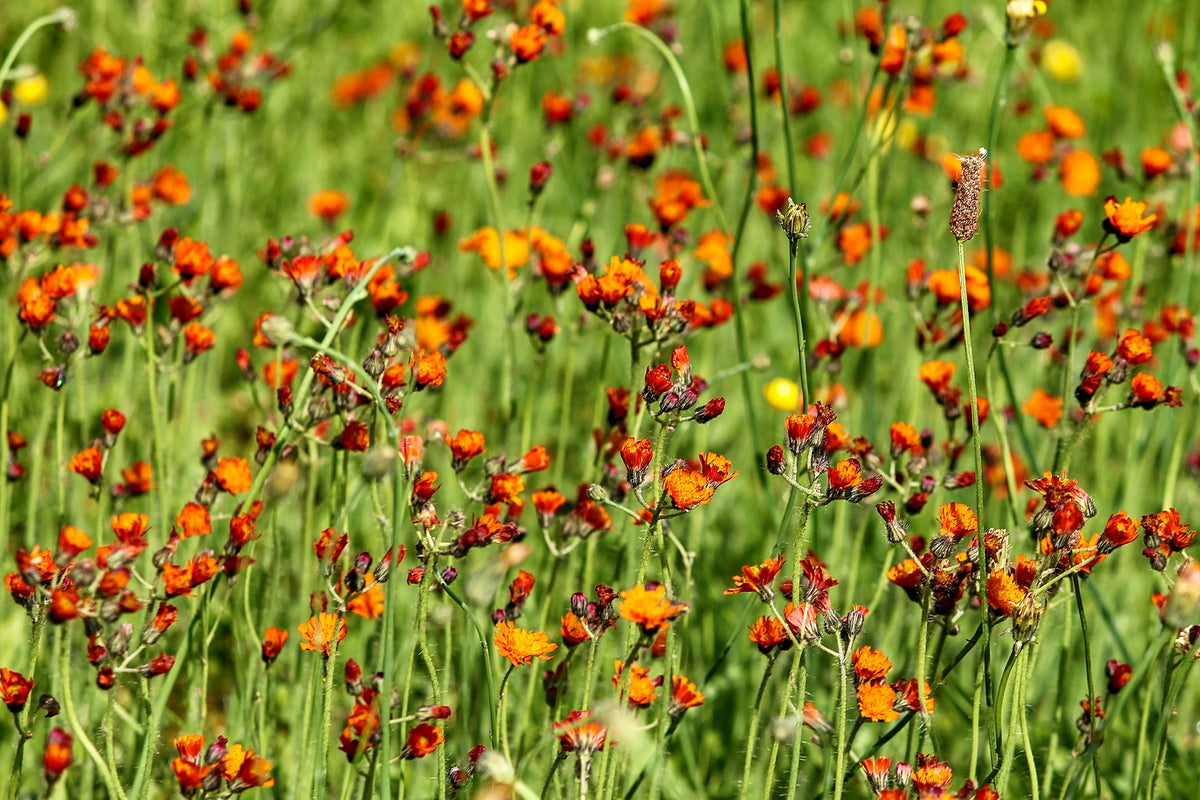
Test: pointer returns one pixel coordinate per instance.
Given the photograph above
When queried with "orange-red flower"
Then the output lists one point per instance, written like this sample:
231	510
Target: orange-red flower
244	769
650	608
322	632
233	474
870	665
423	739
527	42
579	735
687	488
14	689
684	695
465	446
876	702
768	632
198	339
1003	592
1126	220
327	205
1079	172
57	755
957	520
87	462
1046	408
642	689
273	641
757	578
520	646
193	520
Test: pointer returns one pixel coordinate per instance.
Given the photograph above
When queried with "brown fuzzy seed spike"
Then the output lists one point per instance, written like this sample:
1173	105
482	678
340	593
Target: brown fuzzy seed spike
964	216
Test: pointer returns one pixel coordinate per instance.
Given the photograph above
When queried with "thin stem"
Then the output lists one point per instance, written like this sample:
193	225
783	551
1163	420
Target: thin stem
752	735
839	764
68	703
502	711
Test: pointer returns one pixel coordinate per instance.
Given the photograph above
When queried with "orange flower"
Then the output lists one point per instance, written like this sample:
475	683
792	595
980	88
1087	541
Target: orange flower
193	520
72	541
757	578
684	695
1079	172
1003	592
57	755
181	580
1126	220
1134	348
687	488
549	17
191	259
429	369
520	646
486	242
1063	122
644	12
957	520
504	487
904	439
137	478
578	736
465	446
527	43
197	339
876	702
87	463
1155	161
1145	390
273	641
1036	147
1047	409
937	375
713	250
860	328
423	739
855	240
369	604
321	632
475	10
328	205
14	689
870	665
233	474
244	769
650	609
675	194
642	688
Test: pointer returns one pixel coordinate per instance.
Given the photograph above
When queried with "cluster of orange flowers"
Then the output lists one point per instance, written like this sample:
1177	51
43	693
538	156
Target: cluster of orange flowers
220	766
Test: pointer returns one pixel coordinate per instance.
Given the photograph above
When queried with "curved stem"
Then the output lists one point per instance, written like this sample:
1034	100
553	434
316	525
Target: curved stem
68	704
752	735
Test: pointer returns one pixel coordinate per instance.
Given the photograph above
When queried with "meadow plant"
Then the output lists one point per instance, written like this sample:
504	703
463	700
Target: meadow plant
461	400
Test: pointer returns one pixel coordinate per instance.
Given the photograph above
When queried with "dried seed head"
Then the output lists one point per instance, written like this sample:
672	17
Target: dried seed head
964	216
793	218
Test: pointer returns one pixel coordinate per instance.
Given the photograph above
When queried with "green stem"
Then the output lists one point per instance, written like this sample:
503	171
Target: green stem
502	712
61	16
839	764
328	681
390	604
752	735
68	704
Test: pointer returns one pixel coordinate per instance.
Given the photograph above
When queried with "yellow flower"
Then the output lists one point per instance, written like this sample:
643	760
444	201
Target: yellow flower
31	91
1062	61
782	394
